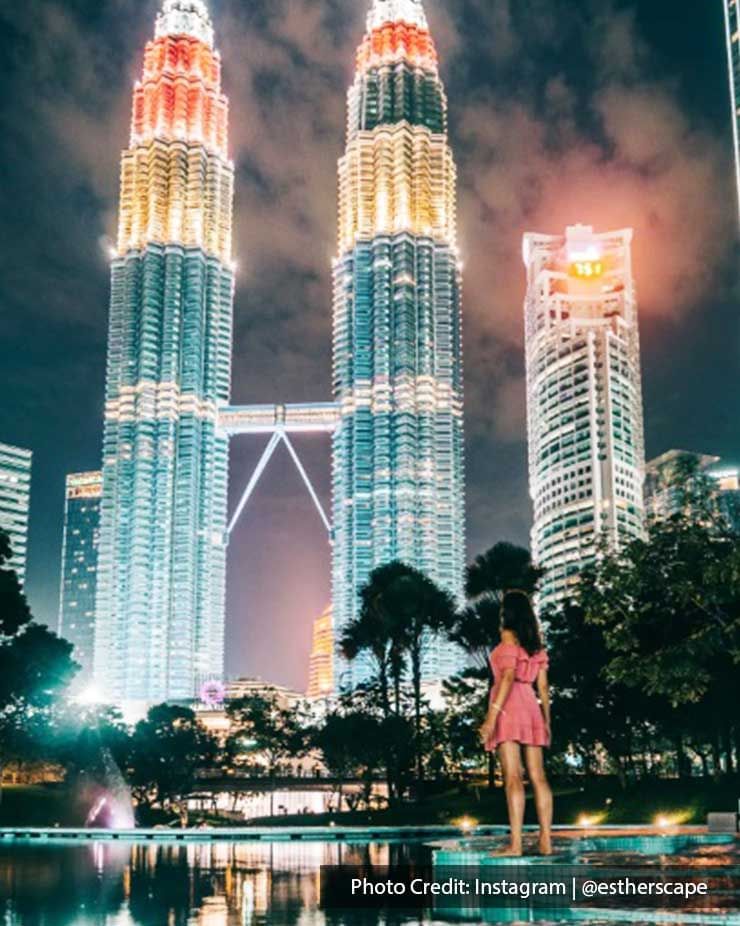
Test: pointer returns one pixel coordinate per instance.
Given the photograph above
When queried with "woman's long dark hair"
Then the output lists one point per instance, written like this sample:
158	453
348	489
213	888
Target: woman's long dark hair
517	615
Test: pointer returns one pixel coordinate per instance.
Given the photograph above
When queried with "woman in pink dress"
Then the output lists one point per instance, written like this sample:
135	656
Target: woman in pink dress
515	718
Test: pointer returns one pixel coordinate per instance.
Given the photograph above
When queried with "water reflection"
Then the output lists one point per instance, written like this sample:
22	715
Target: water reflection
211	884
221	884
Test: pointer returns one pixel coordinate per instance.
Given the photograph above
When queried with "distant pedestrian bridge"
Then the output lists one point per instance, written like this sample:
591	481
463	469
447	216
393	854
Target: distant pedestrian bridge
280	421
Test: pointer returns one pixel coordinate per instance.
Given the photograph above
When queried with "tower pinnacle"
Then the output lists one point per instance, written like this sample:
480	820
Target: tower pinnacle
385	11
185	17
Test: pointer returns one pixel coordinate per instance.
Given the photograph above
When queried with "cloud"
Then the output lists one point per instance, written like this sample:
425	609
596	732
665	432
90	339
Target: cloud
560	112
539	147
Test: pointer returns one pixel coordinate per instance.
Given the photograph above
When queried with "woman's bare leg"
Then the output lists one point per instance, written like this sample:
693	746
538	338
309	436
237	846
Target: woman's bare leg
511	763
542	795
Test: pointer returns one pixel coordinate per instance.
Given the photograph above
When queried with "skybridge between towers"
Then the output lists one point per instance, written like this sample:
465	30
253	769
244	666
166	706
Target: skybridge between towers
279	421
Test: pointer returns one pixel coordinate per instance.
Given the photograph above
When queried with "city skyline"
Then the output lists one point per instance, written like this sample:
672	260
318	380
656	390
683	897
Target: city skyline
498	508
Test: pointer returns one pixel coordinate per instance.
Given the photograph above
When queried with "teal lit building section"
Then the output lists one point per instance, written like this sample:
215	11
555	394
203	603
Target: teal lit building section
15	501
162	556
398	454
80	568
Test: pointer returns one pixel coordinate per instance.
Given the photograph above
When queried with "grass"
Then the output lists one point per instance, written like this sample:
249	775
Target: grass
602	798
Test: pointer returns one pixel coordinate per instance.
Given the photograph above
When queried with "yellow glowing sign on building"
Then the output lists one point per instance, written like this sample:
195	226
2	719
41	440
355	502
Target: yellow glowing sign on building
587	269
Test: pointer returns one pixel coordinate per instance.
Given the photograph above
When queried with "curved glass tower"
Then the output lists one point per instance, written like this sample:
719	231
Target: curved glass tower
160	603
584	401
398	380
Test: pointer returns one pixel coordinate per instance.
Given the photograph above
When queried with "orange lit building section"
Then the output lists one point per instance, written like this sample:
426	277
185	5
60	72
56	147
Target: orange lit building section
176	179
321	668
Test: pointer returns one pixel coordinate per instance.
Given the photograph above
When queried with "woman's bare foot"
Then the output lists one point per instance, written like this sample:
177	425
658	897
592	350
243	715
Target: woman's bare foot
507	852
544	846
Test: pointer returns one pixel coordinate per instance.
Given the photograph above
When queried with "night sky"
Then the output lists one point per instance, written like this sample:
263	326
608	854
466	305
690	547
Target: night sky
610	113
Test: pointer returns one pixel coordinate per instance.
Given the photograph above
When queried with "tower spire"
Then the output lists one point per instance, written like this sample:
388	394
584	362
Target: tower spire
185	17
390	11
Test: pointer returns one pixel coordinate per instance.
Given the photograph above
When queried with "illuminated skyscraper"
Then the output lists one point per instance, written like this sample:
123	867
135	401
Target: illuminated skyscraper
321	666
732	21
679	480
584	400
160	606
398	379
80	568
15	500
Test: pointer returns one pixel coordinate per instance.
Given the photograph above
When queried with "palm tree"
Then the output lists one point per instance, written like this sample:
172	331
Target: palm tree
502	568
426	611
402	613
476	629
377	631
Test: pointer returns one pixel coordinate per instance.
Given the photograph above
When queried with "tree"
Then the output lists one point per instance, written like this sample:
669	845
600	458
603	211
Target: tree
35	669
403	613
502	568
669	612
378	631
597	716
351	747
466	702
14	610
169	748
476	629
261	727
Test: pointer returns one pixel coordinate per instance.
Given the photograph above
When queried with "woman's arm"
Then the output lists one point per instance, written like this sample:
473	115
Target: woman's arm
543	689
496	706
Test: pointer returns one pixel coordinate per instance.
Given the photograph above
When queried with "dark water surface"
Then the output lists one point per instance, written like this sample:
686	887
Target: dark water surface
219	884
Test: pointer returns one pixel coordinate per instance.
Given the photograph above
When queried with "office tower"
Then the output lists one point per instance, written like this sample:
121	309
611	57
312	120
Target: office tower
321	664
584	401
678	481
80	568
732	23
160	606
726	480
15	500
398	480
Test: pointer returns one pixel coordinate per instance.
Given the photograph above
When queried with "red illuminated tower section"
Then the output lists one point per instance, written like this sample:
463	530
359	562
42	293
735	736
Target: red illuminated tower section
398	467
160	604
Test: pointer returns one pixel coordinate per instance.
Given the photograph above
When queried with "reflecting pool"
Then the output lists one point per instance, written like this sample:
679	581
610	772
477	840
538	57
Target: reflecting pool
203	884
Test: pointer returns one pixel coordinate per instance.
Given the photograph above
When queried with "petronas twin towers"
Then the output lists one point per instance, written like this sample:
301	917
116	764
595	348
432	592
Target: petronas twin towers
397	416
398	452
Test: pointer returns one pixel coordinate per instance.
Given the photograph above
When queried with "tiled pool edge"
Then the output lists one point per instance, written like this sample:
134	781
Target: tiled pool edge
454	857
287	834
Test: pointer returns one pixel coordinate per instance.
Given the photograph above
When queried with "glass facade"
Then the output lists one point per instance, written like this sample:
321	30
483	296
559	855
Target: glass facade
668	492
732	22
584	401
398	468
80	568
321	663
15	500
161	576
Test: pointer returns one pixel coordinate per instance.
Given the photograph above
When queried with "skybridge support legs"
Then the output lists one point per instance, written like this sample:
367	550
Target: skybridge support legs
277	437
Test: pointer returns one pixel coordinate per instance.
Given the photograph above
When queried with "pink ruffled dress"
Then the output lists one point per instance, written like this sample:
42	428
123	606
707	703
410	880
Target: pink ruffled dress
522	720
